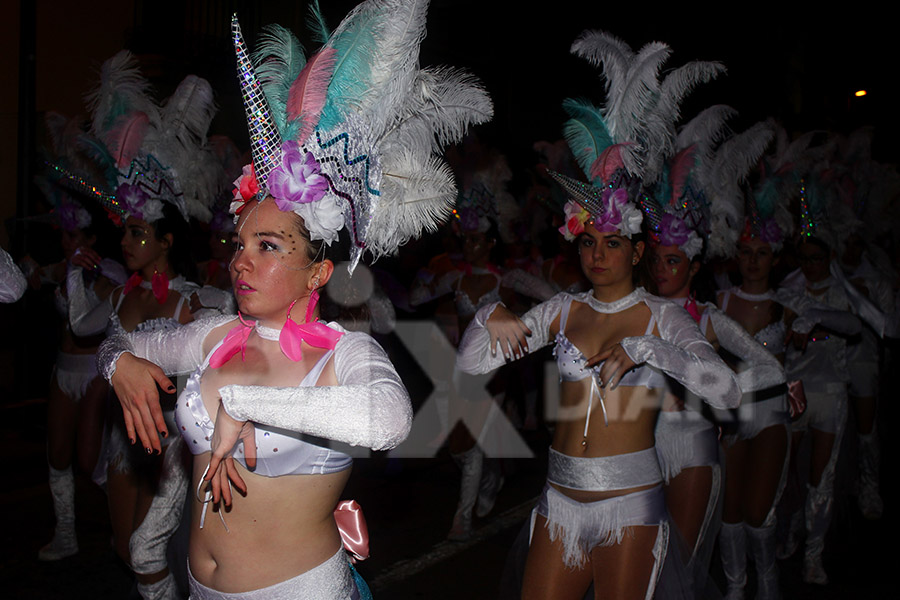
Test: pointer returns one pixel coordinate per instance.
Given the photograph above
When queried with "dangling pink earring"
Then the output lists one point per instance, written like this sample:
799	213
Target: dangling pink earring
160	285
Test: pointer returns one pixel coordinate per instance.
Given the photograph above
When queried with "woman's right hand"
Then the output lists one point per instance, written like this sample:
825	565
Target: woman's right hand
510	331
135	382
86	258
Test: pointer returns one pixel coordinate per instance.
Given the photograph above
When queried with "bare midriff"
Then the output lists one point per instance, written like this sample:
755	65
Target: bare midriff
283	527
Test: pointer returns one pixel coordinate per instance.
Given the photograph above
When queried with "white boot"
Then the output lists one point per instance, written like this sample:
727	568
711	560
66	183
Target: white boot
491	482
819	503
471	463
868	498
64	542
762	547
733	549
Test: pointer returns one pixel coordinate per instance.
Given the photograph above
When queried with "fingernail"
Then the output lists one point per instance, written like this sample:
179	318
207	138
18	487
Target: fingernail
131	440
165	434
171	388
157	452
149	450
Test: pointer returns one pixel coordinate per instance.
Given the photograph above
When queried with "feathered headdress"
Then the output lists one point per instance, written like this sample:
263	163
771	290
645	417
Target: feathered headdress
151	154
626	142
350	138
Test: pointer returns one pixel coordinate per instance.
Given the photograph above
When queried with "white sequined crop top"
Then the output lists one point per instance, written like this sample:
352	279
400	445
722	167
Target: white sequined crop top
680	351
279	451
771	336
570	360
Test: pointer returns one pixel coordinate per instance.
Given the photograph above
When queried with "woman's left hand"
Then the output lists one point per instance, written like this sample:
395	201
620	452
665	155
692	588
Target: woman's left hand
222	472
617	363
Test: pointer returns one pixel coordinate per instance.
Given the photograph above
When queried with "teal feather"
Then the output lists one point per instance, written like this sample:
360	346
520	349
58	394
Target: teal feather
278	60
586	132
355	44
99	154
317	25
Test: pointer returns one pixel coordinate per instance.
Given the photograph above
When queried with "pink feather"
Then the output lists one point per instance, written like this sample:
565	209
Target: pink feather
125	138
681	168
307	95
607	163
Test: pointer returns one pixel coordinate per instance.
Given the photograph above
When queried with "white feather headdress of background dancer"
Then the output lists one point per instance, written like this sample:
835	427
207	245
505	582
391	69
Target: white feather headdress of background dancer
351	136
624	143
149	154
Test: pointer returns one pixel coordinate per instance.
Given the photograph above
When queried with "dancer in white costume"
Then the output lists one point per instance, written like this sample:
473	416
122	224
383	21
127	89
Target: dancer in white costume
279	386
161	174
602	516
679	211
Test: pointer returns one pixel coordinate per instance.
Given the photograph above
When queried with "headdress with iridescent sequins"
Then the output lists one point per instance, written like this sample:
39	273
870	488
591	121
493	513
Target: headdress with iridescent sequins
624	143
350	138
152	154
762	212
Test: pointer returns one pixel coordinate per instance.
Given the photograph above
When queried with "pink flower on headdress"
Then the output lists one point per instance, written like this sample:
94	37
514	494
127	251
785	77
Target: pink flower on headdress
245	188
297	180
576	217
673	231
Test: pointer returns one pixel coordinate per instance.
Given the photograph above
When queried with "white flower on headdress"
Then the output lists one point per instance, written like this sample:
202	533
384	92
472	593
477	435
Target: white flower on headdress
323	218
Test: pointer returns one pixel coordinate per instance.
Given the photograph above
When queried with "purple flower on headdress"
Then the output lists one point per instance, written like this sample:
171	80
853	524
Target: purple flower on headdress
673	231
614	203
138	203
73	216
297	180
769	231
468	219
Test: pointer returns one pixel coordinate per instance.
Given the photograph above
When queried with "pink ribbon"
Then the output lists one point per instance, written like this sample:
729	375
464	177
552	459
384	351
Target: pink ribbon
690	304
351	524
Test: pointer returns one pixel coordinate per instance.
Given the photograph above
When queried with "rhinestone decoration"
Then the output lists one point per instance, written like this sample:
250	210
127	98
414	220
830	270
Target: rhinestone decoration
265	141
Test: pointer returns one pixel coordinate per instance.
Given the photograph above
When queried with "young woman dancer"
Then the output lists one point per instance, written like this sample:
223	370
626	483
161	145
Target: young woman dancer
686	441
276	379
77	403
602	515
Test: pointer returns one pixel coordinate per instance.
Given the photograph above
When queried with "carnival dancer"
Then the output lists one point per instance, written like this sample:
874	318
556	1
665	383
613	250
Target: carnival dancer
484	211
678	209
277	379
161	173
602	514
818	357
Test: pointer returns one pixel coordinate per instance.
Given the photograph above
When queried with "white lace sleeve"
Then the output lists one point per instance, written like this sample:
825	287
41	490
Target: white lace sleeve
528	285
87	316
12	281
759	367
811	313
176	351
370	407
475	354
684	354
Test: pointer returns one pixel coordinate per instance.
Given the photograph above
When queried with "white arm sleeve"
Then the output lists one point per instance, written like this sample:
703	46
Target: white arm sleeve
684	354
86	315
176	351
759	369
12	281
370	407
475	354
811	313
